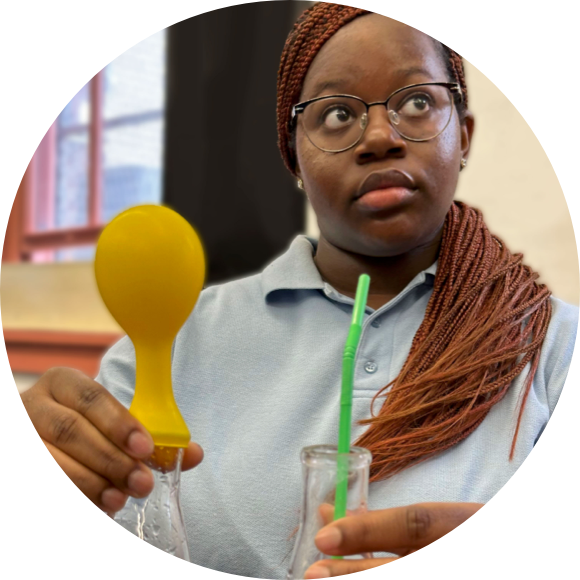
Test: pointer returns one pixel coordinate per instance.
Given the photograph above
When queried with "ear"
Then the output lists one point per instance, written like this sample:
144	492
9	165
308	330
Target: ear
466	128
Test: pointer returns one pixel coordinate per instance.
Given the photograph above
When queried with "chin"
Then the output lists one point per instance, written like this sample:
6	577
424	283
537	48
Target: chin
377	247
385	243
387	237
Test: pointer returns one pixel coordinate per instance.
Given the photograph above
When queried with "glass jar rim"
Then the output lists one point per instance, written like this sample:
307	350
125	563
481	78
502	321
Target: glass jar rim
323	455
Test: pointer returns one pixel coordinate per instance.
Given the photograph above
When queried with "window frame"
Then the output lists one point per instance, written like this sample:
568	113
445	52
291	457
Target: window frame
37	350
22	238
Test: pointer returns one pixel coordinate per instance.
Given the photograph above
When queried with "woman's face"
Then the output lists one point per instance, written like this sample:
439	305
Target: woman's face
370	58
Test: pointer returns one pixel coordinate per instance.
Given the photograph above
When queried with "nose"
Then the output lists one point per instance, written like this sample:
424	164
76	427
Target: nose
379	139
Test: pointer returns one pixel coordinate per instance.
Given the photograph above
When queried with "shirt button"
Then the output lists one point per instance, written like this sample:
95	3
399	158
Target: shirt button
375	323
371	367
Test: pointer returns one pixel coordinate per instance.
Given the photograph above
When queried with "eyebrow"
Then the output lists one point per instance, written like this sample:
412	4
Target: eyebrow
339	84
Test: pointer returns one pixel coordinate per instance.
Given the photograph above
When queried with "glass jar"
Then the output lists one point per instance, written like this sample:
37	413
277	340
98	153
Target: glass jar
319	469
157	518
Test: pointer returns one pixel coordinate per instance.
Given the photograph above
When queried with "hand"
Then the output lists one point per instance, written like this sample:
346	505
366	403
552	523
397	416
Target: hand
456	527
94	439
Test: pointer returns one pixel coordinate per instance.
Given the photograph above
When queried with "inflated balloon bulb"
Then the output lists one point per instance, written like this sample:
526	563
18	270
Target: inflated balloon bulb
150	269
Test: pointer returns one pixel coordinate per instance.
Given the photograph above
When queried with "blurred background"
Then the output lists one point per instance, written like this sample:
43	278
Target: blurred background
187	118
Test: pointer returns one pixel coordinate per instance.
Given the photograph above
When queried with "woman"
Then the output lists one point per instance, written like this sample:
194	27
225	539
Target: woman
472	352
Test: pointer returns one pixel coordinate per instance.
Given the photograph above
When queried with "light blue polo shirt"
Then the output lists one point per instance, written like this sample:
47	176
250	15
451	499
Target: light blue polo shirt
256	374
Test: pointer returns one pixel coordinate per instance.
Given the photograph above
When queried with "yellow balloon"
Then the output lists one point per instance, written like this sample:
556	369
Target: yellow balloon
150	269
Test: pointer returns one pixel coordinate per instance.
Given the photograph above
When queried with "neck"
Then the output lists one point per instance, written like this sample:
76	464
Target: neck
389	275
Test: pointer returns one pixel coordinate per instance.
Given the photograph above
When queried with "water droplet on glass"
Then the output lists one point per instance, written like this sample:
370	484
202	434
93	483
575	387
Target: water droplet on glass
158	519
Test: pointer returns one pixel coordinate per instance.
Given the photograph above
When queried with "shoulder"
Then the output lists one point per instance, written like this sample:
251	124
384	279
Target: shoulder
557	350
561	336
225	317
564	313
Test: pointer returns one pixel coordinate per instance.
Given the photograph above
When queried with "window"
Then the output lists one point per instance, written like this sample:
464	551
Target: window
102	155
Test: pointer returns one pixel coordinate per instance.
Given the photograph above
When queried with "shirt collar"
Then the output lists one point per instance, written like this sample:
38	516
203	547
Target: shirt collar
295	270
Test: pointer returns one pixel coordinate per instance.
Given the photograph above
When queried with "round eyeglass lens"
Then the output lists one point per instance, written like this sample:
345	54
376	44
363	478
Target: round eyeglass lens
335	123
421	113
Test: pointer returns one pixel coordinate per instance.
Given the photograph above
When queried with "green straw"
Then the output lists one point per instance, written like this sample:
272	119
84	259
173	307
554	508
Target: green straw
348	357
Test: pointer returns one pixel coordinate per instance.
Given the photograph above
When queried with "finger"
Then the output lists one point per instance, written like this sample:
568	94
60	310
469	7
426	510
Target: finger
326	512
330	568
74	435
76	391
397	530
165	459
85	421
91	485
95	487
192	457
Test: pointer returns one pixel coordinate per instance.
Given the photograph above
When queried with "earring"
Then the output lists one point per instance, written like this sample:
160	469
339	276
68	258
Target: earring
300	183
463	163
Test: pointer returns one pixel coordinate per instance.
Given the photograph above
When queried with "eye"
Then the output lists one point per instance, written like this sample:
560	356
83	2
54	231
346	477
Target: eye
337	117
416	105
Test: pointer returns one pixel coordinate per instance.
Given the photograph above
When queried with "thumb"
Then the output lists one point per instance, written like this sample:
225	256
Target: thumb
326	512
192	457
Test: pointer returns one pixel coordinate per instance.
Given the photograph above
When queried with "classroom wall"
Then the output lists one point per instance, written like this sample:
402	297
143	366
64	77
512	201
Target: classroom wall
57	297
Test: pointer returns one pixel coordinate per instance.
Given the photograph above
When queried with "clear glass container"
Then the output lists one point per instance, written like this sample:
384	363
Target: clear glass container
319	469
157	518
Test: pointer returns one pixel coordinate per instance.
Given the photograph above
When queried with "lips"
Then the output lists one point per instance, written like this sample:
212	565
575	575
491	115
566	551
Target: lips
387	179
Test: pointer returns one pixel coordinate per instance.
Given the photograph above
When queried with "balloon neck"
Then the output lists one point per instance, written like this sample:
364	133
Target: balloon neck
153	369
153	403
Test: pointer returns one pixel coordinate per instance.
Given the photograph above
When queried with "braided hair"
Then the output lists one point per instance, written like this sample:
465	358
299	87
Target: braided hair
486	318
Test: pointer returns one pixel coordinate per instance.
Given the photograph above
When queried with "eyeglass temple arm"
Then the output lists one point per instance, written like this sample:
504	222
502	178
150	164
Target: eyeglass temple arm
296	109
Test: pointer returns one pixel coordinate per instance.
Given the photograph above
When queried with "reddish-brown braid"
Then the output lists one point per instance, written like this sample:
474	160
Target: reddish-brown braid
485	321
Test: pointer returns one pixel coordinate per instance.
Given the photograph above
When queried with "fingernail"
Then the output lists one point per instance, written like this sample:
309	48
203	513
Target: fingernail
113	499
140	482
317	572
140	444
328	538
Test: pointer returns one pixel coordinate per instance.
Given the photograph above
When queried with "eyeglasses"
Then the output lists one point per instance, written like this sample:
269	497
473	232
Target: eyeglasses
417	112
